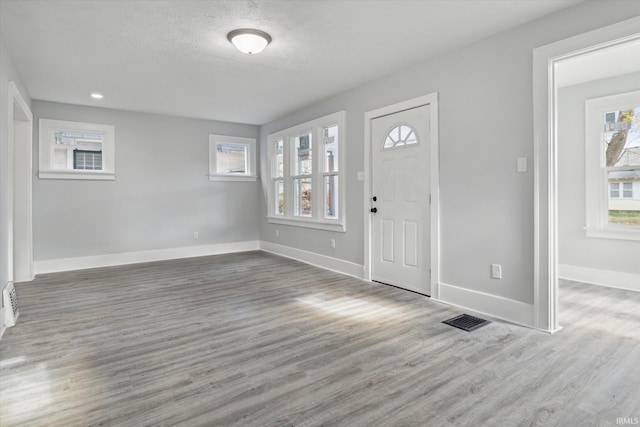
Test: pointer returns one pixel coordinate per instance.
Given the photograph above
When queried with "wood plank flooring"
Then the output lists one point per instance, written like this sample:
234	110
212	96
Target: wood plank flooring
253	339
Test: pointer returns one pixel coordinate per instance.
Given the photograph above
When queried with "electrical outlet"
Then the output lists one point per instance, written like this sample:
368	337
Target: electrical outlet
333	243
196	235
277	234
496	271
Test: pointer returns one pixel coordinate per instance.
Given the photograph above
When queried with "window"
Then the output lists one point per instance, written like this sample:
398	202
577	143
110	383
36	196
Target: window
302	171
627	190
87	160
614	191
330	172
613	166
76	150
620	190
400	136
232	158
306	174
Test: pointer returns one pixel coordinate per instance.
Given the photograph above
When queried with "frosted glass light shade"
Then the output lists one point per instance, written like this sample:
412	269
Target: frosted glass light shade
248	40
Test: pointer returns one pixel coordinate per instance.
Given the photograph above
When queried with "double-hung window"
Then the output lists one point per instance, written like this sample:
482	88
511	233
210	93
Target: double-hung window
76	150
306	174
613	166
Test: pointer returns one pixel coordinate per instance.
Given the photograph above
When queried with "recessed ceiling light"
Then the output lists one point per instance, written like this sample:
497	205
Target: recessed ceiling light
97	95
248	40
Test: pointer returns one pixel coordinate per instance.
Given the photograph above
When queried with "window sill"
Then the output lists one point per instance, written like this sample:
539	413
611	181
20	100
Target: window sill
612	232
73	174
232	178
308	223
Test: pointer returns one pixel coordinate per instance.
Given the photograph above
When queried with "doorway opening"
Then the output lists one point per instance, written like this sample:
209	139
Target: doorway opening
546	60
20	126
598	115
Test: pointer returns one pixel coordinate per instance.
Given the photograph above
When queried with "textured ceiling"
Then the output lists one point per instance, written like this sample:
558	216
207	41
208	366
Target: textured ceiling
172	57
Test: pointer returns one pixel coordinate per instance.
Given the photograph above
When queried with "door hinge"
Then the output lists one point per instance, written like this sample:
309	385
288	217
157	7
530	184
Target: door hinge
429	198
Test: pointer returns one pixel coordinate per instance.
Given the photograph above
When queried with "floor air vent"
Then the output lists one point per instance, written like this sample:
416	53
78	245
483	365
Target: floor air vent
466	322
10	303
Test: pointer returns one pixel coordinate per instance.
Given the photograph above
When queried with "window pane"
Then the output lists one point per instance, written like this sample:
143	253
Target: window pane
231	159
624	205
279	197
404	132
331	197
330	135
75	139
399	136
278	164
621	136
614	190
302	190
87	160
303	161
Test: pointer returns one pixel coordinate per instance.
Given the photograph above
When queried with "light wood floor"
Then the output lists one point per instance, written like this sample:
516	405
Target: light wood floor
255	339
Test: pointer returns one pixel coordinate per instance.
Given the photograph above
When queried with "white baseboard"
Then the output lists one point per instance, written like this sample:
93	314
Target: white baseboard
81	263
322	261
487	304
108	260
594	276
2	310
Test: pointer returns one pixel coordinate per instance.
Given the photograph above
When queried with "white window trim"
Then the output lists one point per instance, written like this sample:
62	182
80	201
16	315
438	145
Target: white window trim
317	220
250	143
46	129
596	180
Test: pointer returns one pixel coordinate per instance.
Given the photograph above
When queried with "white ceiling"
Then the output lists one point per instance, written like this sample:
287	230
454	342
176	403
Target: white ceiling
599	64
172	57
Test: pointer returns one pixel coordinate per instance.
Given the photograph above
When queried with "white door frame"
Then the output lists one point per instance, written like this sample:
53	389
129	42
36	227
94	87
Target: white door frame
432	101
20	183
545	296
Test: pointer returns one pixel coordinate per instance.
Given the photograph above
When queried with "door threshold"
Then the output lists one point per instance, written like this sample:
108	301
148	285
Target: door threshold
400	287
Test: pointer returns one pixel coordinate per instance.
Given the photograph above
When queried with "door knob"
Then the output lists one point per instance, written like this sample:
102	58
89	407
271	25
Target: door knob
374	210
375	198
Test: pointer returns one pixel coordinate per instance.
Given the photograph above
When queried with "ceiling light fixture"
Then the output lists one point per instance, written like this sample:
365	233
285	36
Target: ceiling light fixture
97	95
248	40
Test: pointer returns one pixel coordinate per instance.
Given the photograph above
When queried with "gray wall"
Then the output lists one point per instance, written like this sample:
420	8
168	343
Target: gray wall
486	122
8	73
575	248
161	194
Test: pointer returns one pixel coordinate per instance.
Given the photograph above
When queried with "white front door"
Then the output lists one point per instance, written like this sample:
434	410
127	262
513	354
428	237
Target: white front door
400	199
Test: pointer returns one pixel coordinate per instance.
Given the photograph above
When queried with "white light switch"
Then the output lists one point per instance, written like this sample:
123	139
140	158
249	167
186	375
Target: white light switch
496	271
522	164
